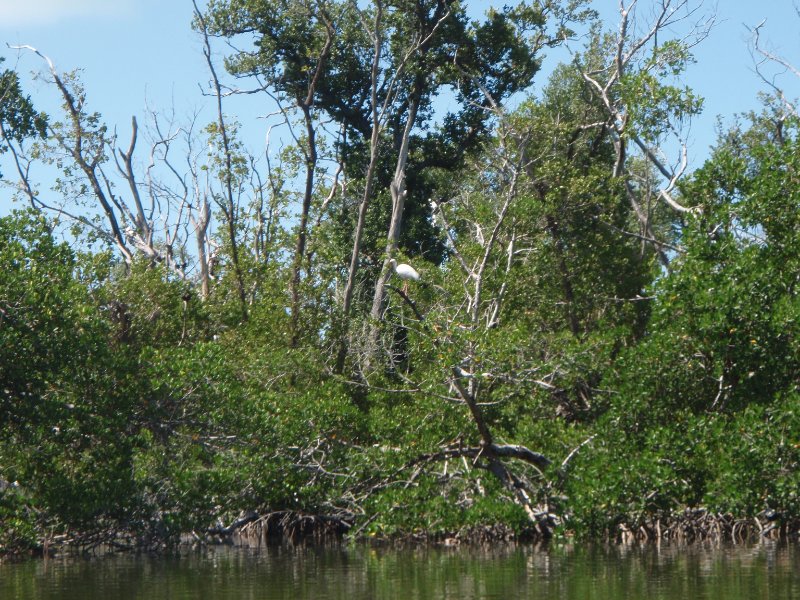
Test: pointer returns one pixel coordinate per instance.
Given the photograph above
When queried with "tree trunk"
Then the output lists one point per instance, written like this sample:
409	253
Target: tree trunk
398	191
302	231
341	354
201	232
228	206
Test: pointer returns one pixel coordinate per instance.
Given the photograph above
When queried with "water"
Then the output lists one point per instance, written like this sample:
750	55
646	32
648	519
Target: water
354	573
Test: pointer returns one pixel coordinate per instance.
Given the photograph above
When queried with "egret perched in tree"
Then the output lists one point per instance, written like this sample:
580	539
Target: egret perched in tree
405	272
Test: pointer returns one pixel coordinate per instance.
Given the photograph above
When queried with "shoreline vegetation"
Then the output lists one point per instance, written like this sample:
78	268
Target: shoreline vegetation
487	325
692	526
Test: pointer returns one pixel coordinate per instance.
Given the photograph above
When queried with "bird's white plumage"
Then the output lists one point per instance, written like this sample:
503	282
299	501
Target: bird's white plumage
404	271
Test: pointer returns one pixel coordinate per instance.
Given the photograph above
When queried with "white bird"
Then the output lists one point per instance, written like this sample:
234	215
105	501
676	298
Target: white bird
405	272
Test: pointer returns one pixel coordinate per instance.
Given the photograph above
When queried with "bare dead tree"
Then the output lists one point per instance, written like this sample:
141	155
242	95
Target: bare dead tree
130	224
194	191
166	203
763	58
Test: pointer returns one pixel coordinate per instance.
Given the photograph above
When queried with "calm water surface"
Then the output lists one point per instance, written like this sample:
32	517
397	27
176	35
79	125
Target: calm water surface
767	571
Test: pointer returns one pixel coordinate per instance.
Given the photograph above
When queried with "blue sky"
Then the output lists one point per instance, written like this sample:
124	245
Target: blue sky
138	52
132	52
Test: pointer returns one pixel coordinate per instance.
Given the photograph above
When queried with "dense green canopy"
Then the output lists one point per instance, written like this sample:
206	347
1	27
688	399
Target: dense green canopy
599	343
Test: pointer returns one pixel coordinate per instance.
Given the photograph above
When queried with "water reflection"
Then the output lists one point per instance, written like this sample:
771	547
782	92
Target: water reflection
565	572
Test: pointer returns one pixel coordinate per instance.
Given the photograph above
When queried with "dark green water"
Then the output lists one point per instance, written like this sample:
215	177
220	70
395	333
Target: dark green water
766	571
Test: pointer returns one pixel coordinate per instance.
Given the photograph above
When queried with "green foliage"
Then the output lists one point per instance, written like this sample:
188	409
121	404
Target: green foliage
651	102
428	507
49	327
133	404
64	393
703	410
629	477
758	461
149	307
18	118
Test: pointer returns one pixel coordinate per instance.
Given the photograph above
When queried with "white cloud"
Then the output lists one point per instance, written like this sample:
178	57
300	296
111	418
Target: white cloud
15	13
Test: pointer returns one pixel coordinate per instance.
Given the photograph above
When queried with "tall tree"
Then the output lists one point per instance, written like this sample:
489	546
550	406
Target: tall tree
227	203
486	62
375	70
294	43
647	114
